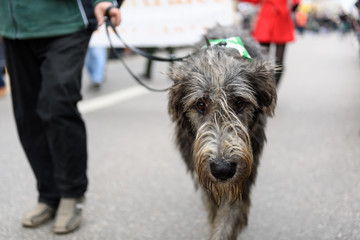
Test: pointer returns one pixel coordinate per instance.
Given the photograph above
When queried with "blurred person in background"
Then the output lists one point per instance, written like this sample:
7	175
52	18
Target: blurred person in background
45	46
345	22
95	63
274	25
300	20
354	15
356	19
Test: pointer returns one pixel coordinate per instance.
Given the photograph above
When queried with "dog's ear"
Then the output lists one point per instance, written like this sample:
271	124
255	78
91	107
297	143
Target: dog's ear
175	105
262	80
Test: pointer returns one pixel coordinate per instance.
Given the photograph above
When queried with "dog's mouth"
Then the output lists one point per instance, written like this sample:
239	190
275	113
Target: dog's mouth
223	158
223	180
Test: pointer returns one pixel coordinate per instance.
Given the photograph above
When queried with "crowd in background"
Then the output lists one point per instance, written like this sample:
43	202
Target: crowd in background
312	18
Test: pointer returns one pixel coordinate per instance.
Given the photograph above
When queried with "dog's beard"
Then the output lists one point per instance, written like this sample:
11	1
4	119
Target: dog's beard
226	140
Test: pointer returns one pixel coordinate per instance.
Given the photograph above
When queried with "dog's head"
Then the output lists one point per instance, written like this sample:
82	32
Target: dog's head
217	96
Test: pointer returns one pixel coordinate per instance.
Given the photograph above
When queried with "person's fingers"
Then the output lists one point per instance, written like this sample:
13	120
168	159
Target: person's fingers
115	16
99	15
100	10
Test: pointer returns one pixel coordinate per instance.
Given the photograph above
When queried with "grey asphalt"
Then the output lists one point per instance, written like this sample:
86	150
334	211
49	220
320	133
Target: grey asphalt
308	186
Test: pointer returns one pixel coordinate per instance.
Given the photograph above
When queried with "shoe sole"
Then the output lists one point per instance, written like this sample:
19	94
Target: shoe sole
32	225
65	231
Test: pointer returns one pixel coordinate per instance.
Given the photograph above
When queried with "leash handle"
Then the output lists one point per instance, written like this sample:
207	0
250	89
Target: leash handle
108	11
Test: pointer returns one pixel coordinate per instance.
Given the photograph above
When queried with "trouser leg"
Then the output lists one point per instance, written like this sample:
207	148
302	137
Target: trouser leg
61	70
46	112
25	77
89	65
95	62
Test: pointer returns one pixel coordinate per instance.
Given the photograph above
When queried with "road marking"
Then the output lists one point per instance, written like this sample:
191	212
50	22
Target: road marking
110	99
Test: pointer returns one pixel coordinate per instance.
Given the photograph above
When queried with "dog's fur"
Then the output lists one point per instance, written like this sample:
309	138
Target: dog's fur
219	102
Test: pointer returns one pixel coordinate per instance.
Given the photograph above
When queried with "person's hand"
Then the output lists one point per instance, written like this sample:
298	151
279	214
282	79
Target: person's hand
114	13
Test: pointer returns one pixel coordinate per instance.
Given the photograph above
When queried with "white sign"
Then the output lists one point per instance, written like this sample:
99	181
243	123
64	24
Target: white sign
167	23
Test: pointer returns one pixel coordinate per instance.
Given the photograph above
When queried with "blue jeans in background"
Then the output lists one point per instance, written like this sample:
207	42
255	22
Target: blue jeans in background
95	62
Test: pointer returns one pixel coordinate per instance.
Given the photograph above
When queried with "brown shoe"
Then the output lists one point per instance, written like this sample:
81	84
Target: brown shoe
38	215
68	216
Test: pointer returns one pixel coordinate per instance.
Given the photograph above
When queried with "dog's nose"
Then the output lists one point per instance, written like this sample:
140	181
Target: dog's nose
223	170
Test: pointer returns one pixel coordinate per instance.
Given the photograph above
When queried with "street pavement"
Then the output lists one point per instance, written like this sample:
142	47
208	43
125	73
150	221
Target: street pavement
308	185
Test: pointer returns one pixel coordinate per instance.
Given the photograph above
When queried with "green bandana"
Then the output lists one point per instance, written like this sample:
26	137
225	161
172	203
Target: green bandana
233	42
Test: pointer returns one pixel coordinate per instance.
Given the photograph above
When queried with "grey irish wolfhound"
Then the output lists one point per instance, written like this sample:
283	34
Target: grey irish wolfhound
219	103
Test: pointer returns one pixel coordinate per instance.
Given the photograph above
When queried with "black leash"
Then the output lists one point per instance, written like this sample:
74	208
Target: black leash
140	52
128	68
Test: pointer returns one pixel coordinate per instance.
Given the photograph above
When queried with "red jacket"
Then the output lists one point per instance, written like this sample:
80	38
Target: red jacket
274	23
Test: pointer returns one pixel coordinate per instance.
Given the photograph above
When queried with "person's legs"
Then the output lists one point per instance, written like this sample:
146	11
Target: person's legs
95	63
61	71
89	62
280	50
25	77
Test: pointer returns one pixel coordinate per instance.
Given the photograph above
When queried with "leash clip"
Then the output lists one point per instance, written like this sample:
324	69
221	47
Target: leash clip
222	44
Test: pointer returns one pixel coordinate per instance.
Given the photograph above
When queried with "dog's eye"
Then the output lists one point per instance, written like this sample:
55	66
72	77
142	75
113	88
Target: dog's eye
201	106
239	105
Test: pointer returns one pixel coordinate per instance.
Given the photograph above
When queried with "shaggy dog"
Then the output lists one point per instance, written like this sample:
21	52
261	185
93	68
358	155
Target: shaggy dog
219	102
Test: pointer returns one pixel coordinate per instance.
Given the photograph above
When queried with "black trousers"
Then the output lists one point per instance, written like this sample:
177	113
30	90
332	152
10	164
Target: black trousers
45	77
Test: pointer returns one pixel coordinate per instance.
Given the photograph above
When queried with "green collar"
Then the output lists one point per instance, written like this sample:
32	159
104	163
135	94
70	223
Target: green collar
233	42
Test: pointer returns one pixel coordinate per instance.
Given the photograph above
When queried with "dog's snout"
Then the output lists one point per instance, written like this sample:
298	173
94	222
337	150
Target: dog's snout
223	170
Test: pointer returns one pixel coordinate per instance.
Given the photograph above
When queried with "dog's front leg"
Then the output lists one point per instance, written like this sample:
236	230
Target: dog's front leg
230	219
